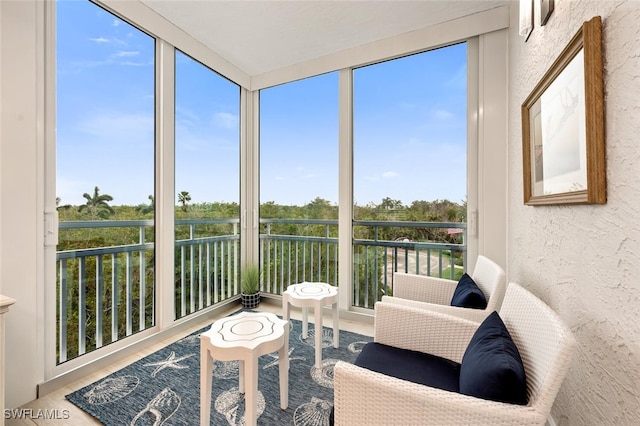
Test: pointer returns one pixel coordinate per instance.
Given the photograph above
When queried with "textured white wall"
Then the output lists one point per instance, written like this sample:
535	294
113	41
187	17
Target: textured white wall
584	261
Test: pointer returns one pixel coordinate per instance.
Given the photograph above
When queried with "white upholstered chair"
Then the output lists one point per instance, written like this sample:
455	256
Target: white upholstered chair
435	293
545	344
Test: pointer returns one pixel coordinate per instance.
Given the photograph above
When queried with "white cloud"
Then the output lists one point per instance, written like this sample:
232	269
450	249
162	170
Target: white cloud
279	178
136	64
310	176
388	175
407	105
414	143
458	79
186	116
442	114
187	140
100	40
114	126
225	120
70	190
116	22
124	53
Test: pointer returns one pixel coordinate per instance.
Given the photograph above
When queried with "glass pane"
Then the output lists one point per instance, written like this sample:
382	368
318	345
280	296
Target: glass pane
410	163
299	182
207	159
104	177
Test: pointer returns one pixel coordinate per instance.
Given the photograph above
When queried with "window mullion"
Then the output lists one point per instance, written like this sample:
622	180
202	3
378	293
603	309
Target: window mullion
165	182
249	176
345	195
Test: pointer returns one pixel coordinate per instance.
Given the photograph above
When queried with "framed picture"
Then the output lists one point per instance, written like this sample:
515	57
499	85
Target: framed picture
546	8
563	142
526	19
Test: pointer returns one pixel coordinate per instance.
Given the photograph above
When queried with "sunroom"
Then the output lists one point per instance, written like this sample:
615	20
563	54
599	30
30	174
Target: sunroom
171	143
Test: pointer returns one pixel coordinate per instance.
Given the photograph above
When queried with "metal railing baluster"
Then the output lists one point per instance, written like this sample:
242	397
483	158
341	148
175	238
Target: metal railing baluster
183	282
99	291
142	314
82	306
192	273
216	281
288	264
114	297
62	315
200	280
281	266
208	269
129	294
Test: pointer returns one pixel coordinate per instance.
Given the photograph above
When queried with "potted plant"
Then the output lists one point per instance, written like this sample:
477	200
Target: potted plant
250	283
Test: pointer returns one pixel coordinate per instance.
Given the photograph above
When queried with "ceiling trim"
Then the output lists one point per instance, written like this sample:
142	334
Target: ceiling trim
142	16
401	45
138	14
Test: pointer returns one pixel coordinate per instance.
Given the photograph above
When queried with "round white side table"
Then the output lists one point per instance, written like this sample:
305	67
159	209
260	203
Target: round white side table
244	337
313	295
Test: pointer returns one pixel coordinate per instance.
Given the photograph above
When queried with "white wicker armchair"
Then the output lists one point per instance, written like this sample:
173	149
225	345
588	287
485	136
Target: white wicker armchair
435	293
546	346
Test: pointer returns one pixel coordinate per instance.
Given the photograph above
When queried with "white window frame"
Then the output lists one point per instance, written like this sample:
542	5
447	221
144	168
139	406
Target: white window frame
487	102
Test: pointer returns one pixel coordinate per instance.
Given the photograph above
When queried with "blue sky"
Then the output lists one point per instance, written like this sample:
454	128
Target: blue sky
409	123
207	133
410	128
105	106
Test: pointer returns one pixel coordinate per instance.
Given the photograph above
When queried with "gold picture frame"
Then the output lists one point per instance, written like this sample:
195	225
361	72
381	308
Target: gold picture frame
563	142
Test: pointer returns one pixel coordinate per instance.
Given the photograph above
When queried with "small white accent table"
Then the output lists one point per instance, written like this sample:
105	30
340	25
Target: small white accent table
244	337
313	295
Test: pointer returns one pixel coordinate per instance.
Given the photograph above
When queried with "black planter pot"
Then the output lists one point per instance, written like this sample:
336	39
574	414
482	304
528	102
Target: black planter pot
250	301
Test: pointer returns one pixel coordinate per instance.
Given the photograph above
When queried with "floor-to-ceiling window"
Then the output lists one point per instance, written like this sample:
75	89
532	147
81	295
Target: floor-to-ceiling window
207	173
299	182
104	178
410	169
115	45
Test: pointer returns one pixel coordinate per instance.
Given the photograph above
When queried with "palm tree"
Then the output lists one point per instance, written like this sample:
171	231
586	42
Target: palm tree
184	198
98	204
63	207
150	208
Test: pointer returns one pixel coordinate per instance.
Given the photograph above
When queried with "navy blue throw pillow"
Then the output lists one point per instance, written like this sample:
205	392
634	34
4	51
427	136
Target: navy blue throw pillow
491	367
468	295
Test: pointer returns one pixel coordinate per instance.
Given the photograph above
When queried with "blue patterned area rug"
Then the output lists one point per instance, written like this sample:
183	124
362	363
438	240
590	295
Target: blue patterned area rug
164	387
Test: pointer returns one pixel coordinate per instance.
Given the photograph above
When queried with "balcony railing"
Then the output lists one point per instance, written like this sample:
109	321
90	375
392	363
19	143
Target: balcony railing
207	263
107	293
377	258
101	289
299	250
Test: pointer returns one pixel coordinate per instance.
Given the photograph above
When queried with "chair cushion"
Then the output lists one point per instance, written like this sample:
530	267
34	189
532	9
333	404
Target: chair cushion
491	367
468	295
413	366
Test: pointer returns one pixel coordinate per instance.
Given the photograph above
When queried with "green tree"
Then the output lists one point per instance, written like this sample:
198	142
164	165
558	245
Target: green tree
390	204
97	204
183	198
59	207
148	208
270	210
320	208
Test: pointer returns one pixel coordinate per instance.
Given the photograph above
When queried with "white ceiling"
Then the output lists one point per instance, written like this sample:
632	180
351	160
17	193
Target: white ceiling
265	35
